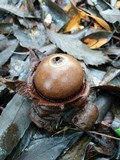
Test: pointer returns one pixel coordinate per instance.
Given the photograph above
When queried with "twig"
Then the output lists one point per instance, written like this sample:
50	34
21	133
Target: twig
101	134
115	37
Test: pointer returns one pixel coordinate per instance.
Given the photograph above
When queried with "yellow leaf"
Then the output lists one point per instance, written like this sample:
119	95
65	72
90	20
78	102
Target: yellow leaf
95	43
99	43
78	14
97	26
84	15
75	21
68	7
101	22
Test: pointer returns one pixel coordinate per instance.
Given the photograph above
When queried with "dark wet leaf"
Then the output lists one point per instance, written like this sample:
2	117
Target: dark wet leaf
6	28
4	72
108	146
16	11
112	50
108	119
111	81
101	5
3	42
111	15
25	141
104	102
76	48
36	39
91	154
116	122
104	142
118	153
78	150
95	75
111	74
14	121
49	148
116	62
109	149
58	14
5	96
6	53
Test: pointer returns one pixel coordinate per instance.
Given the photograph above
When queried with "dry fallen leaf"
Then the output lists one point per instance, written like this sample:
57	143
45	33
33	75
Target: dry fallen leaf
97	39
101	22
75	21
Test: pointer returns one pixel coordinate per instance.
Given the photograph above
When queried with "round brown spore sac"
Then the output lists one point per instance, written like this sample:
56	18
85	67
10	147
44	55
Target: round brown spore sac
58	77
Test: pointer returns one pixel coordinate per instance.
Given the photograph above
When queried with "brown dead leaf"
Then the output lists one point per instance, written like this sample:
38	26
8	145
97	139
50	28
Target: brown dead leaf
97	39
101	22
74	24
76	18
79	14
94	43
96	26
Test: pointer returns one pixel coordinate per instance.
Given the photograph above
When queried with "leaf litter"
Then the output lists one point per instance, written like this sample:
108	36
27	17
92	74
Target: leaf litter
89	31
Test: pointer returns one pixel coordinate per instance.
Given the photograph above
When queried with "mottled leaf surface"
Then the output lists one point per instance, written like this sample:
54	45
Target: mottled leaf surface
48	148
34	39
7	53
104	102
58	14
5	28
111	15
77	49
14	121
77	152
14	10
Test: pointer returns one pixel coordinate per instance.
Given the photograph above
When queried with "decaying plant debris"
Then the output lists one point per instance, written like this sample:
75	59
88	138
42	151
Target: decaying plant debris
30	30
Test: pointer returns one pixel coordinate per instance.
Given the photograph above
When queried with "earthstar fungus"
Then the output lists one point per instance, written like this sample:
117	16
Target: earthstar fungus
58	86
